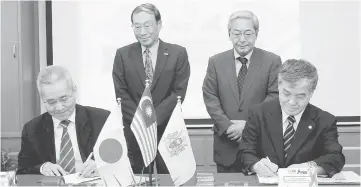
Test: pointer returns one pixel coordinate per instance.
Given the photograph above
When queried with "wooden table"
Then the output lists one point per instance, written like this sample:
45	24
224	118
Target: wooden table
220	179
163	180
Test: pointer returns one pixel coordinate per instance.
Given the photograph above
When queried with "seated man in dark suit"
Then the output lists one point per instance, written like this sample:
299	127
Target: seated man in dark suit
289	131
60	140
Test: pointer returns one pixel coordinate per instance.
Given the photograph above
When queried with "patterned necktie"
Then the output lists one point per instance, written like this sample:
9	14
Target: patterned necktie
289	133
66	160
242	74
148	66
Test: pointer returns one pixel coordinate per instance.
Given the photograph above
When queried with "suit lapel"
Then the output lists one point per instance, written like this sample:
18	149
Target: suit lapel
83	130
274	127
230	70
137	59
304	129
161	61
253	71
46	138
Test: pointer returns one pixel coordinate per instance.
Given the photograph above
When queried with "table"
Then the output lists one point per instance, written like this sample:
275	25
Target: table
163	180
220	179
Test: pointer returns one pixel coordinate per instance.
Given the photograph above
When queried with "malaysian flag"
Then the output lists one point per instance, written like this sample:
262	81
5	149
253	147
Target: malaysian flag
144	127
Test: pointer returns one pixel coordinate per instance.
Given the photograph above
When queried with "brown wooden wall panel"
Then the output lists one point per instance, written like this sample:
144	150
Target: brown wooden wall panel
349	139
352	156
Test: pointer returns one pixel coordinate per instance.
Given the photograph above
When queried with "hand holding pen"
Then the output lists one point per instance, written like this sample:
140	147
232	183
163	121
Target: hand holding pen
90	168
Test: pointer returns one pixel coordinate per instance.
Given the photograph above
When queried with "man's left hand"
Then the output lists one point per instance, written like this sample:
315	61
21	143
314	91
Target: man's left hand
90	169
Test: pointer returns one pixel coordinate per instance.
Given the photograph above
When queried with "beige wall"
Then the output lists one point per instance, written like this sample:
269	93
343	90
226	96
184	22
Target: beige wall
323	32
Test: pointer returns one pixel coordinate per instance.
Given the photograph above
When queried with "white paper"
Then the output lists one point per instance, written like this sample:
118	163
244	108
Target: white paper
350	177
76	179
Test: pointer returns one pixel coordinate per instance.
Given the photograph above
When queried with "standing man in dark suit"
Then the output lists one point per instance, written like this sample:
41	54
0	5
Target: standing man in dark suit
60	140
290	132
165	65
237	79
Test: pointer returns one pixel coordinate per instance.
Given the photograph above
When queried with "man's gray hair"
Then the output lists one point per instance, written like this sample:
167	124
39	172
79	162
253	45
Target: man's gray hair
53	74
148	8
244	14
293	71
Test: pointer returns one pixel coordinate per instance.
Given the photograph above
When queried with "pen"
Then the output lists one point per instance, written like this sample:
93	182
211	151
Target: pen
271	161
91	154
89	157
268	159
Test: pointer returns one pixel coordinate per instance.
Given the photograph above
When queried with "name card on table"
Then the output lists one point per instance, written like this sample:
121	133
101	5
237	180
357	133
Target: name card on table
297	177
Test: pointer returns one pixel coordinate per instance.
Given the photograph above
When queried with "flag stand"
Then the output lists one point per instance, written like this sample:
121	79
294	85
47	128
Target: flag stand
150	175
155	174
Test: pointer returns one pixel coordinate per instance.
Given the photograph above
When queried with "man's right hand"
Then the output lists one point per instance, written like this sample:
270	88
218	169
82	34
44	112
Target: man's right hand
50	169
265	168
234	132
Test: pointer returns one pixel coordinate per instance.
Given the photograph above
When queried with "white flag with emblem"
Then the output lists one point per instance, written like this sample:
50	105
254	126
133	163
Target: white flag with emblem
176	150
111	153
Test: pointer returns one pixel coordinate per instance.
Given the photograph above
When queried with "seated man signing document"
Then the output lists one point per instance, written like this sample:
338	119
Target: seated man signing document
60	141
289	132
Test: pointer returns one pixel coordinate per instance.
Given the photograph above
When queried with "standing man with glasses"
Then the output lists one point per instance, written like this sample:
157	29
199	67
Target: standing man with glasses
165	65
59	141
237	79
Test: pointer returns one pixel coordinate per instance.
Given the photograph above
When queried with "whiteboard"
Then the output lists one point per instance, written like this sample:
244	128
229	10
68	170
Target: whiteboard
86	35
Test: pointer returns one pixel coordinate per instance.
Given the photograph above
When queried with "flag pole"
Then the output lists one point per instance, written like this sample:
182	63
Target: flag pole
155	172
147	84
150	174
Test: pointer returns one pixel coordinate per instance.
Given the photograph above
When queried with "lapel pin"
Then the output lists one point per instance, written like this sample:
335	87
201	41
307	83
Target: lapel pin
166	54
310	127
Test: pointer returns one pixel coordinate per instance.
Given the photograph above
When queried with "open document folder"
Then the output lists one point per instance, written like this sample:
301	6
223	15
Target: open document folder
350	177
75	179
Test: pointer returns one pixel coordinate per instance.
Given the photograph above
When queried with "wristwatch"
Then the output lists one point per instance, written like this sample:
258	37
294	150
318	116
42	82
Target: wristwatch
312	164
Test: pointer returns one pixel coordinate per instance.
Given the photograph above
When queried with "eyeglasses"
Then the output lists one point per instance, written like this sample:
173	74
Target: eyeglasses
147	26
63	99
238	34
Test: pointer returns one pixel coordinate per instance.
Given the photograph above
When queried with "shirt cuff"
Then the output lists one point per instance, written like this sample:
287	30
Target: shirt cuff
247	171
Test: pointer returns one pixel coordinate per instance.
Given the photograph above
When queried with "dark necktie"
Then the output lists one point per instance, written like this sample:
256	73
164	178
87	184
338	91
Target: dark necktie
241	74
66	160
148	66
289	134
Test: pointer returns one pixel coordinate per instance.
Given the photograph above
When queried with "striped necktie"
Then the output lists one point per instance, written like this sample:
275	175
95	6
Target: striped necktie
241	74
66	160
148	66
289	134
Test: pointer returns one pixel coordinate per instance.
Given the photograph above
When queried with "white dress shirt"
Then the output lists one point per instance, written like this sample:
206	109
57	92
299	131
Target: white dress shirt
153	54
285	121
238	63
58	133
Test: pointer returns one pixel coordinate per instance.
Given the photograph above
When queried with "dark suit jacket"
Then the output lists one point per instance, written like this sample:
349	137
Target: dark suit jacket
221	96
37	140
170	80
316	138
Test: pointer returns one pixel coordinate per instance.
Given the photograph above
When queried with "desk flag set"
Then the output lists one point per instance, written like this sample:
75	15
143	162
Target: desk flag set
176	150
144	127
111	153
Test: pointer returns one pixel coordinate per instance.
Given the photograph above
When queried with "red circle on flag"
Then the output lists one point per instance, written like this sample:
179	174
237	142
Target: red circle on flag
110	150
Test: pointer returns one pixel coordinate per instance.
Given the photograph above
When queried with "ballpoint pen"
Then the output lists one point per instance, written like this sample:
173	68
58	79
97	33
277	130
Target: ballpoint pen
89	157
271	162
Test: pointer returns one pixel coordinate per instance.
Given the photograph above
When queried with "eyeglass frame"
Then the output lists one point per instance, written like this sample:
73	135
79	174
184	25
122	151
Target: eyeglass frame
245	34
147	26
